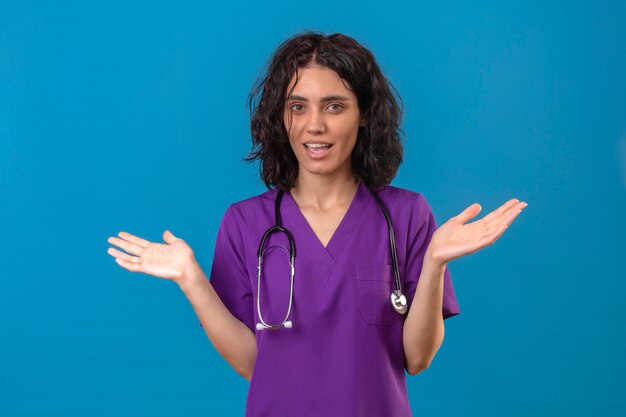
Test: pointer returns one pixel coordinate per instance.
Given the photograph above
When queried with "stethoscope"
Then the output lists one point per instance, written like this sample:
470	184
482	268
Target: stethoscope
398	300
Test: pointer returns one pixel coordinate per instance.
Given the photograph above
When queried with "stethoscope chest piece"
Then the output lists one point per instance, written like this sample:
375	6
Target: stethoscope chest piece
398	301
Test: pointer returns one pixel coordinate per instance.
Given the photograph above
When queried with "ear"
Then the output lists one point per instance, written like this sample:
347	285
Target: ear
363	122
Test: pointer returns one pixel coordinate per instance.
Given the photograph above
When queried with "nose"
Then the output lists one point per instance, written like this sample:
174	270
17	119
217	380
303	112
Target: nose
316	123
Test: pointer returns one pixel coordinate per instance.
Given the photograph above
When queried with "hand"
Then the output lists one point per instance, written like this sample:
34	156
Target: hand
167	261
454	239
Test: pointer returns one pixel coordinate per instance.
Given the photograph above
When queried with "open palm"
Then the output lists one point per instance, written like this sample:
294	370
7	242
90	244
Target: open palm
454	238
166	261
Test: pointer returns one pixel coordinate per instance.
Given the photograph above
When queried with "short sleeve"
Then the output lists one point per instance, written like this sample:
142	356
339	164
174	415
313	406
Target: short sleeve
229	276
418	244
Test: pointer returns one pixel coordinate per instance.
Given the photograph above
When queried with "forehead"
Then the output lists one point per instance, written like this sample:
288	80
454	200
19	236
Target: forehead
318	81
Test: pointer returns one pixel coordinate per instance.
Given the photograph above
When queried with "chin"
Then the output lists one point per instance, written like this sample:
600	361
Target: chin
320	169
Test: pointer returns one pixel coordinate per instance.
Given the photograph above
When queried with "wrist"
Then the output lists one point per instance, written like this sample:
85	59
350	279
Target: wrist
434	261
192	276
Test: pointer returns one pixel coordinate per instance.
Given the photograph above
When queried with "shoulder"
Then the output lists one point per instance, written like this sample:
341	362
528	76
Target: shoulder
251	207
400	195
406	204
256	200
403	198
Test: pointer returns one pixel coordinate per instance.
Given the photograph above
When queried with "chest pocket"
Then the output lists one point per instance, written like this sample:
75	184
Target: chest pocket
375	282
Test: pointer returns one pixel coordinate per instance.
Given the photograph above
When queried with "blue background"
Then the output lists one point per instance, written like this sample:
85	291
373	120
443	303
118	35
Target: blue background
118	116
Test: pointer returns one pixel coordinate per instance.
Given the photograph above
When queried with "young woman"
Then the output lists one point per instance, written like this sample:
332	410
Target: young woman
352	288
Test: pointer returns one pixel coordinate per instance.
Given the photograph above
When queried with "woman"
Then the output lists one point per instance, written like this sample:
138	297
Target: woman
325	127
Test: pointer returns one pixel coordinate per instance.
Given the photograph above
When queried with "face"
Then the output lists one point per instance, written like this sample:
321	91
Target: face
324	117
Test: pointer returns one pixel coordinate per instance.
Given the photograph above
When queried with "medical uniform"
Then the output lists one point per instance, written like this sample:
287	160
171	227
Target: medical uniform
344	355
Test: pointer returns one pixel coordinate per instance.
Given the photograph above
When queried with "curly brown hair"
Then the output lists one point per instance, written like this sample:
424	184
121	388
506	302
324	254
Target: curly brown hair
377	153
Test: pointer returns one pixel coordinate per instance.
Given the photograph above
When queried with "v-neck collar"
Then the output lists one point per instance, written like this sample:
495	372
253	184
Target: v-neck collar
312	245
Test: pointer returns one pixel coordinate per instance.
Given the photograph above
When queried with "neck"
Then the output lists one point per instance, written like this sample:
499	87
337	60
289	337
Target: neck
323	193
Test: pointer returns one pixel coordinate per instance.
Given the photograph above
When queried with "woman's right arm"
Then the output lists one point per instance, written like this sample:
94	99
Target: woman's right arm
230	337
175	261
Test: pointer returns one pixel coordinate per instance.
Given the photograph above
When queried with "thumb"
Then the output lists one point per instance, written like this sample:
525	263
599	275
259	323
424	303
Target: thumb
469	213
168	237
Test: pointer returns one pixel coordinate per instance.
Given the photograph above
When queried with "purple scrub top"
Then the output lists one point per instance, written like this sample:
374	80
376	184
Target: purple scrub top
344	355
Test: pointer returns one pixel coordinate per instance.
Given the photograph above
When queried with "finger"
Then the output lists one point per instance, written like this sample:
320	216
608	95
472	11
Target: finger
134	239
500	210
129	265
469	213
497	229
506	218
117	254
491	237
168	237
127	246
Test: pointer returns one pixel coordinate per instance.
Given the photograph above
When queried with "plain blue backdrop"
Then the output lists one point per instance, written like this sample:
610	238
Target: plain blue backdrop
130	116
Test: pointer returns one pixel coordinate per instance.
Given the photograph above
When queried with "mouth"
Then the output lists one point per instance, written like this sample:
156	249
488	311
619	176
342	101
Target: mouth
317	150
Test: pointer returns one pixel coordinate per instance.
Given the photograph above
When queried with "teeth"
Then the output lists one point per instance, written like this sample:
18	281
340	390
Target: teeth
317	145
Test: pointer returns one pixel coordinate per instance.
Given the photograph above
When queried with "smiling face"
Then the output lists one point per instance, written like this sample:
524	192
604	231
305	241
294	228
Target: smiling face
323	113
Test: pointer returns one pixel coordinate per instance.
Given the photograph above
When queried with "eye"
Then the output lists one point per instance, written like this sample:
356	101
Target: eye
296	107
338	106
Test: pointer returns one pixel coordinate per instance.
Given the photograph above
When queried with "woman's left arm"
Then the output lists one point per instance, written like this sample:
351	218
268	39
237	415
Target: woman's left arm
423	329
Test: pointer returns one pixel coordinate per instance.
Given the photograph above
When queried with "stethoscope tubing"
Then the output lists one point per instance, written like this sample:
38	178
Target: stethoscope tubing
398	300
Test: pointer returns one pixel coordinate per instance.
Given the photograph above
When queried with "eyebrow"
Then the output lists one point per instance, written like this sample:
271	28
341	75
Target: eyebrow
323	100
